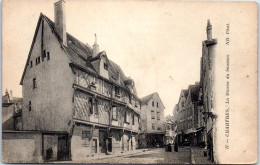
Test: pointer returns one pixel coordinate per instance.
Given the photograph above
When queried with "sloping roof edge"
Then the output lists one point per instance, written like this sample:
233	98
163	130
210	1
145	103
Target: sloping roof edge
147	98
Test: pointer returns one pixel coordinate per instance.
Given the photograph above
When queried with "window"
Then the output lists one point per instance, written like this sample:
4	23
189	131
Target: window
153	103
90	105
115	113
157	105
30	105
153	126
85	138
159	128
130	99
117	91
85	135
182	104
38	60
43	55
152	114
105	66
127	115
158	115
133	119
34	83
48	56
31	64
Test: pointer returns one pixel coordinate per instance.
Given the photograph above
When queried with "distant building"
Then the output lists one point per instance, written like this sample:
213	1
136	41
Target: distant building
195	114
152	121
175	114
189	132
169	133
11	112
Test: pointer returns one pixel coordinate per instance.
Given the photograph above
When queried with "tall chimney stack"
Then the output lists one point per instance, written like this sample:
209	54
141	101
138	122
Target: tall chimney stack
95	47
11	95
60	20
209	31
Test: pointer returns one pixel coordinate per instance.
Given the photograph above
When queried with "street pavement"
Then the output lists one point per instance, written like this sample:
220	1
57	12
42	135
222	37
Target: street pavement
199	157
153	156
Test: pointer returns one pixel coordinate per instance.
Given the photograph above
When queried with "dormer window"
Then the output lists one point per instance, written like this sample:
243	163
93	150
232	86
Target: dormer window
105	66
130	99
117	91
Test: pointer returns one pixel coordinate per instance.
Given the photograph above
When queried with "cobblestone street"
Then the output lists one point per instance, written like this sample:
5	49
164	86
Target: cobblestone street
152	156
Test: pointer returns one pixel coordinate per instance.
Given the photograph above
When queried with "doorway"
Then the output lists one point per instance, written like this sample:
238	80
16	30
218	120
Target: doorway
110	144
63	148
94	146
102	142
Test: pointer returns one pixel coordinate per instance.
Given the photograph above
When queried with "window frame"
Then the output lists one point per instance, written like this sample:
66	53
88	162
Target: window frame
115	110
152	114
30	106
91	108
133	119
127	117
153	126
34	83
158	116
105	66
48	56
117	91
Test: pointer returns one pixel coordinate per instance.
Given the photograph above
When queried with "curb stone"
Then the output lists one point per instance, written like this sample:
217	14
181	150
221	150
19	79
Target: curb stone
192	155
122	155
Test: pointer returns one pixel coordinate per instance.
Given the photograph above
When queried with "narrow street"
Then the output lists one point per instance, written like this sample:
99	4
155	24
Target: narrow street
157	155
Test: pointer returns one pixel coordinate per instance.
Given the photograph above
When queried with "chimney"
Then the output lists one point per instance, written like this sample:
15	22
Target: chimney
6	92
209	31
11	95
60	20
95	47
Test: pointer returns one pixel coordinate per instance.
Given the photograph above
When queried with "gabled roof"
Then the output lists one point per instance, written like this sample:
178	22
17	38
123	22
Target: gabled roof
6	99
80	54
147	98
185	92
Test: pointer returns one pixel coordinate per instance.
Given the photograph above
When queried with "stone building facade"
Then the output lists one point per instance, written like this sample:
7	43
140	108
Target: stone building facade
152	121
79	99
195	112
188	128
207	77
11	112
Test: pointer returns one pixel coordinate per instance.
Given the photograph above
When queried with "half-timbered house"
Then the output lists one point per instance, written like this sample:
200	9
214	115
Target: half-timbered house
76	96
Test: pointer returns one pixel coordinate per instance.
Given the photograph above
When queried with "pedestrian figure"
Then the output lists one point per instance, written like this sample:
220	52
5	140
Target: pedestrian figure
168	148
175	147
49	153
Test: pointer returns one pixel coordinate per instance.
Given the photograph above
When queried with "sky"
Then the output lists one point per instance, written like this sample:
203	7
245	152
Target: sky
157	43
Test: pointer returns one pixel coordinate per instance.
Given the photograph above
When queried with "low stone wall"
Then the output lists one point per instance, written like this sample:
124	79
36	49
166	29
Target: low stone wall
21	147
